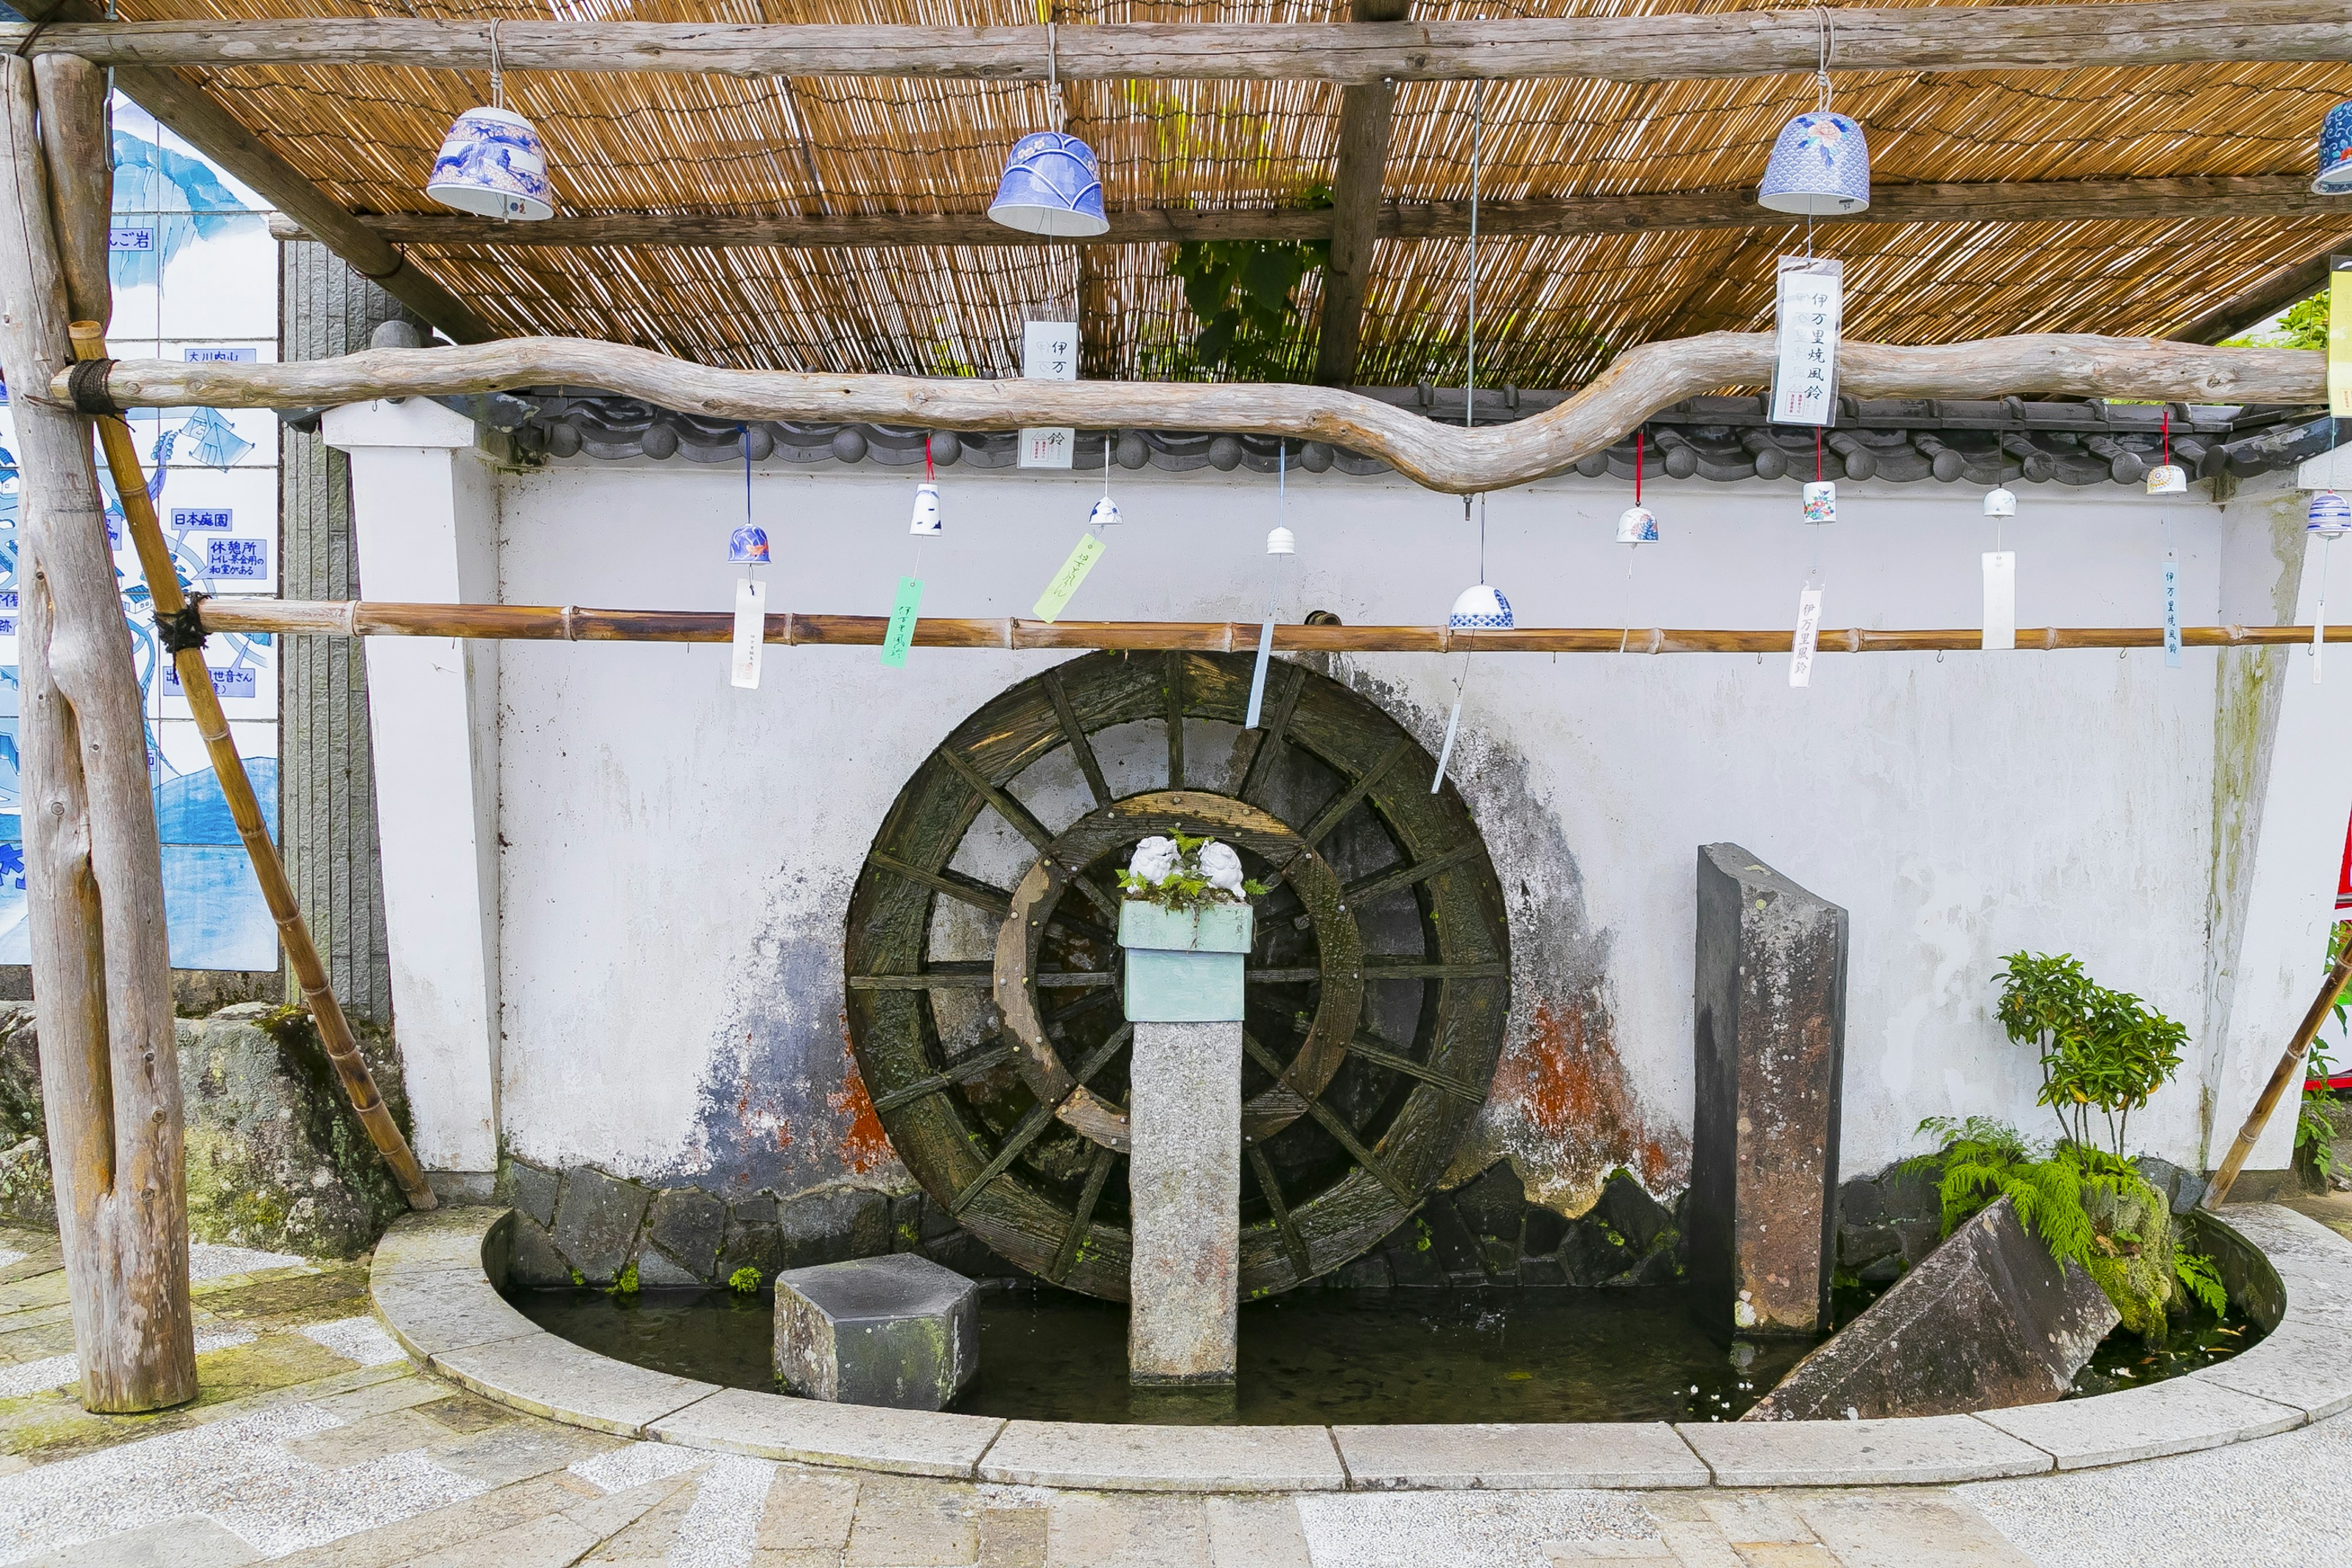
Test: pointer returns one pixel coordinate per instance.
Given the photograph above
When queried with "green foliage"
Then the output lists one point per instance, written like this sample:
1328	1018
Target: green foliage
2303	326
1186	887
744	1281
1240	292
2201	1277
2314	1131
2101	1050
626	1285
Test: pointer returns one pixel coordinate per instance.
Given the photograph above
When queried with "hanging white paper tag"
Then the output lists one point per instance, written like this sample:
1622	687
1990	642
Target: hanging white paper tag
1808	311
1257	676
1049	352
2171	611
751	632
2000	599
1809	628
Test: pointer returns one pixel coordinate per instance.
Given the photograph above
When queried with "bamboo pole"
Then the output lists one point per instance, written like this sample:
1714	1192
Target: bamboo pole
572	623
1638	383
204	706
1681	46
94	884
2289	1071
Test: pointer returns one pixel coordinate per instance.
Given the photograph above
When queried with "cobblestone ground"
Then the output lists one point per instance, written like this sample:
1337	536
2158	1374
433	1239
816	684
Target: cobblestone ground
316	1443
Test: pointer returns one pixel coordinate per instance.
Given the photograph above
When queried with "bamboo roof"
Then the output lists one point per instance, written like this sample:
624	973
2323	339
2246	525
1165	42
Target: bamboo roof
1551	309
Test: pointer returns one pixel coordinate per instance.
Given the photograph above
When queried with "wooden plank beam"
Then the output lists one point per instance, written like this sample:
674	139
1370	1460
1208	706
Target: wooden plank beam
1634	48
200	119
2167	200
1366	112
1638	383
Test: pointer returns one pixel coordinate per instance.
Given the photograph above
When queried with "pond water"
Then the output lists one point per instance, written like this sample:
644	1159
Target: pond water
1321	1356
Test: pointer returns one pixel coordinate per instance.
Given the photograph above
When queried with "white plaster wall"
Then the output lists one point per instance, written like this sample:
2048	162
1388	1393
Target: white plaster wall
678	854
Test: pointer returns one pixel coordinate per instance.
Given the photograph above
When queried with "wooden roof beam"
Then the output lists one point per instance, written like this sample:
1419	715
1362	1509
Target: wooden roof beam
2165	200
200	119
2248	310
1655	47
1366	111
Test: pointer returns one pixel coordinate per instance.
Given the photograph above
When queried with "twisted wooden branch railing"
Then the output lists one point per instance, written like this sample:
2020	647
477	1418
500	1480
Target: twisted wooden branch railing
1637	384
571	623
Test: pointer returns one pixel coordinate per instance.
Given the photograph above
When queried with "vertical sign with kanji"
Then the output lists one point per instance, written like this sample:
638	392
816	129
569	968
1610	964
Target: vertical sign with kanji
2339	336
1049	352
1808	303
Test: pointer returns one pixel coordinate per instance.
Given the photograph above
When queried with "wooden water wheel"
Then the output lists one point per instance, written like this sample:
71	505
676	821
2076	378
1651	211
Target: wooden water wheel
983	973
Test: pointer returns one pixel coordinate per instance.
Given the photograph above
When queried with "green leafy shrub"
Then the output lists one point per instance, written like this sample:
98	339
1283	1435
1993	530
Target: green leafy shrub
744	1281
2101	1050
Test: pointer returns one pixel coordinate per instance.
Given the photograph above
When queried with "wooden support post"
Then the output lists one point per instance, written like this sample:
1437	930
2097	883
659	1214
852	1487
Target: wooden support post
1365	113
204	707
2289	1071
101	971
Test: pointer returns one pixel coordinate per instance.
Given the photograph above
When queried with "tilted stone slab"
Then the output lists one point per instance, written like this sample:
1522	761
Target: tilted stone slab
811	1431
898	1331
2177	1417
1927	1450
1165	1458
557	1379
1988	1321
1519	1456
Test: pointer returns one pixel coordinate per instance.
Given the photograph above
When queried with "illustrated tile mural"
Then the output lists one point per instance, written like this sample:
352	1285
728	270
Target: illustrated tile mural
195	278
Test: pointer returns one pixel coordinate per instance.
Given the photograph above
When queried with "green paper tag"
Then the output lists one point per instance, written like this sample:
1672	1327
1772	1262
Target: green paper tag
1065	582
901	635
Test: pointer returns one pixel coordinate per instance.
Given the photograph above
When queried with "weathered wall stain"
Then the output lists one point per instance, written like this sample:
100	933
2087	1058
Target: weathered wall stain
864	1146
1565	1116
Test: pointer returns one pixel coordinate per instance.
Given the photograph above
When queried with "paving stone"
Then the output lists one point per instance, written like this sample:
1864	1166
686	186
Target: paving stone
516	1450
1165	1458
2301	1365
1699	1544
913	1524
1753	1520
465	1412
832	1224
1128	1532
531	1189
597	1223
658	1272
2175	1417
1012	1537
1929	1449
754	1241
648	1542
689	1225
547	1376
404	1391
370	1437
405	1540
1576	1554
431	1313
1561	1454
1911	1531
895	1330
808	1513
1256	1532
531	1257
809	1431
434	1241
191	1543
1988	1320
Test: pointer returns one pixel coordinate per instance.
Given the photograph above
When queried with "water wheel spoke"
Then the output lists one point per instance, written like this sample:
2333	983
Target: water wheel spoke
1086	1003
958	974
1070	978
1094	1062
1081	747
958	1069
1282	976
1379	1053
1333	1123
1292	1243
1330	816
1414	969
1032	1126
1271	740
1390	879
1025	822
1173	689
1082	1220
971	890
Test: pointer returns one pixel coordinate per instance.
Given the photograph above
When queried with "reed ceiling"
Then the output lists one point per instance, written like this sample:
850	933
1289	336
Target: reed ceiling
1551	309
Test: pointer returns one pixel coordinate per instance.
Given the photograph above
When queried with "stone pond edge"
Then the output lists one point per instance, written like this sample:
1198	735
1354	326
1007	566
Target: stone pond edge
435	1284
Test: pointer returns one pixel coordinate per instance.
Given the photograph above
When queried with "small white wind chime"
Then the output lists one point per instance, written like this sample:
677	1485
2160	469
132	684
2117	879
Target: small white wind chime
907	606
747	547
1281	544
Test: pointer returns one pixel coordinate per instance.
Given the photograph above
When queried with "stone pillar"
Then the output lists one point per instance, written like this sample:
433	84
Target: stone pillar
1771	1045
1184	1181
424	504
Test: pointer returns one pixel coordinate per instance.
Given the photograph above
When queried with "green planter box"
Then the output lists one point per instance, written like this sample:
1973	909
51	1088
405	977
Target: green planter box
1184	966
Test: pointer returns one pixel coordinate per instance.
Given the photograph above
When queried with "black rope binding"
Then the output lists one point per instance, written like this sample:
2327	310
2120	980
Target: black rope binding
184	628
86	384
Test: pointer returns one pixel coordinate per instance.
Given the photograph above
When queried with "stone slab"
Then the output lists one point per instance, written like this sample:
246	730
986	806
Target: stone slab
1185	1185
2179	1416
431	1313
1928	1450
1989	1319
809	1431
1165	1458
2302	1365
1498	1457
555	1378
896	1331
435	1240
